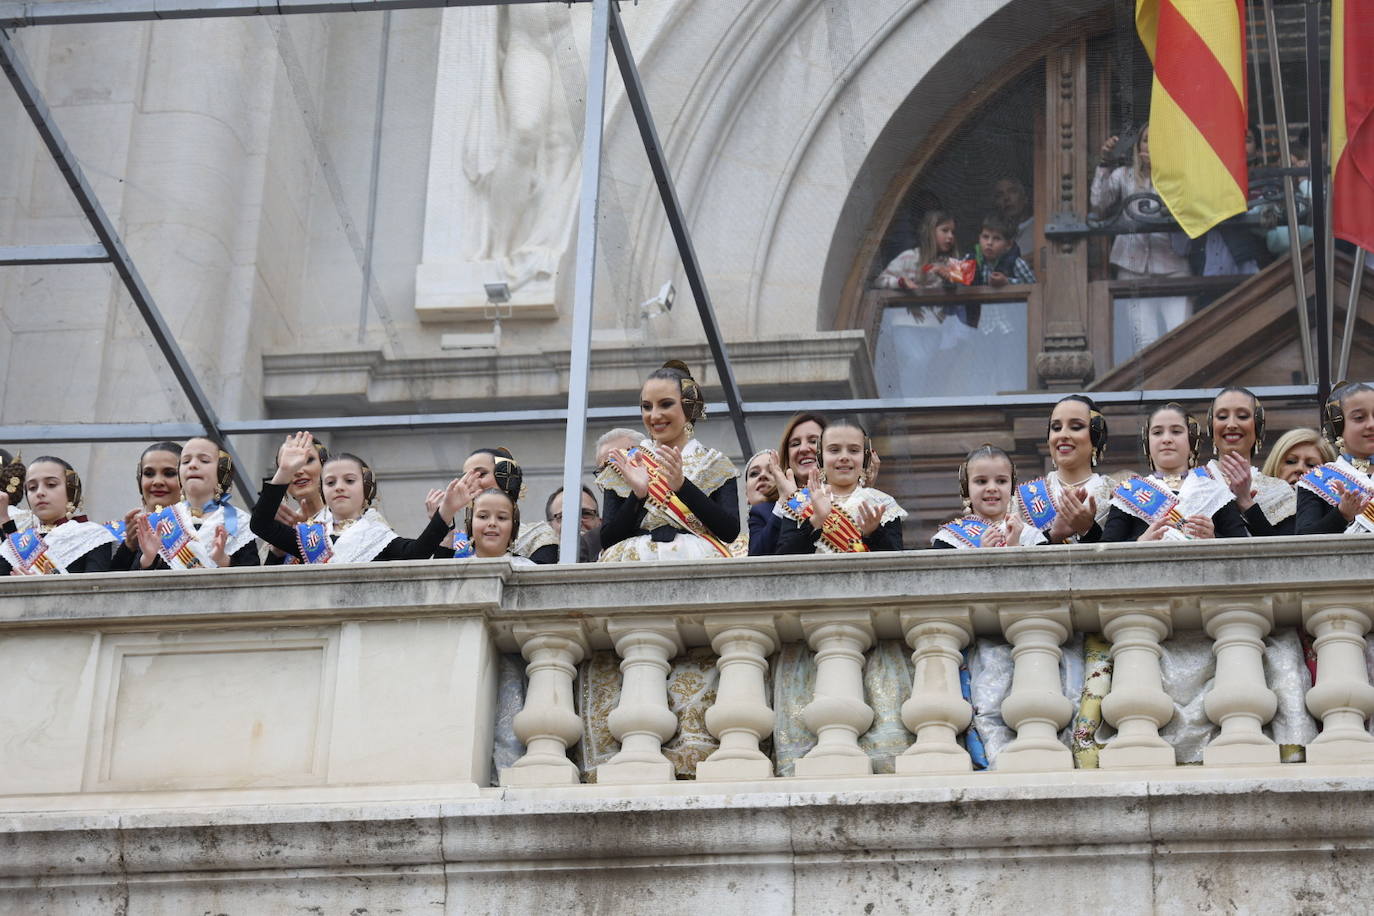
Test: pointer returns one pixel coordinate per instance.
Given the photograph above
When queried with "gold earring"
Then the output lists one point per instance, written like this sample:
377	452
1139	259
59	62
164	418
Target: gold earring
690	428
1340	444
968	506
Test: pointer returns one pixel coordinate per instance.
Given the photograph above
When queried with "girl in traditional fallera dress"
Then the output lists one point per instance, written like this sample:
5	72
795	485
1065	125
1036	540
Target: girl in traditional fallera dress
1235	422
203	529
354	532
1070	503
1295	453
987	479
493	519
159	484
1339	495
837	512
1176	501
670	497
57	538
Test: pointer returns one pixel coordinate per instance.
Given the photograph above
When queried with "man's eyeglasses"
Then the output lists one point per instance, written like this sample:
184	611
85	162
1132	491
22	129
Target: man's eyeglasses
586	514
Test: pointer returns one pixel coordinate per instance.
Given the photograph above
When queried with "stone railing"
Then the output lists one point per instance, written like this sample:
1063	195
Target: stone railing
379	680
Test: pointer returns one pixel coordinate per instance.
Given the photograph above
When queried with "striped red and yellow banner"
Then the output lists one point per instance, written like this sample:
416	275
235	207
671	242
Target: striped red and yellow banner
1197	107
1352	121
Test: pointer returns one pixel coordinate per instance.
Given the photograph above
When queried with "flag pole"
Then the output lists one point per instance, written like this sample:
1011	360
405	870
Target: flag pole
1321	239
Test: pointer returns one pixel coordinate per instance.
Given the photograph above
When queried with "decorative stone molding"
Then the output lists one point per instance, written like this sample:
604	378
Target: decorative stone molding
741	716
1036	706
1342	697
1239	701
936	712
838	714
548	724
642	721
1137	705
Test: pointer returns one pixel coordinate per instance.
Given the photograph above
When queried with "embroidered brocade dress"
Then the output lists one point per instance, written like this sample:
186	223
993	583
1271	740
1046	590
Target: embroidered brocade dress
635	528
367	539
801	537
72	546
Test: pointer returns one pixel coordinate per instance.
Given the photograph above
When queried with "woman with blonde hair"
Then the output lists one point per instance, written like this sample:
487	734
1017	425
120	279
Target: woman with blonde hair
1295	453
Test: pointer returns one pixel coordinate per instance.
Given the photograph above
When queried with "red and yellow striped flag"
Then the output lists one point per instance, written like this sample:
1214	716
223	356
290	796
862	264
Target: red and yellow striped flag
1197	107
1352	121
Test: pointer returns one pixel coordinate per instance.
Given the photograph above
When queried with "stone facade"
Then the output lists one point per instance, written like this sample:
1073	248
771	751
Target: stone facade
276	740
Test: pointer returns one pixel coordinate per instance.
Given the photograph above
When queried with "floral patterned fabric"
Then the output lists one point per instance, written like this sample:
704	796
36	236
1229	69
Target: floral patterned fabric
1088	737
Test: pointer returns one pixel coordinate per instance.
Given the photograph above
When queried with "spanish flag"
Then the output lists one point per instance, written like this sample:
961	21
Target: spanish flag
1352	121
1197	107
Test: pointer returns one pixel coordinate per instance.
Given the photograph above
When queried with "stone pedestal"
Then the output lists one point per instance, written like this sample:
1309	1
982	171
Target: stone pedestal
1239	700
642	721
1036	706
936	712
1137	705
740	717
838	714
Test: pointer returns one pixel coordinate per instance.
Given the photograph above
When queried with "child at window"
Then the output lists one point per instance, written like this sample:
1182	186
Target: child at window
938	249
998	265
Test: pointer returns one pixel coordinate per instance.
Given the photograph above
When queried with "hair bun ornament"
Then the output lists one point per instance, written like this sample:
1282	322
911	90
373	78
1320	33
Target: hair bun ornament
12	470
679	365
693	404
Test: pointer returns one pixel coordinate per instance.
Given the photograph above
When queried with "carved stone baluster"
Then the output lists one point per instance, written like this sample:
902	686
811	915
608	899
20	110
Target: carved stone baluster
1137	705
642	721
837	714
1036	706
740	717
1342	697
548	724
936	713
1239	701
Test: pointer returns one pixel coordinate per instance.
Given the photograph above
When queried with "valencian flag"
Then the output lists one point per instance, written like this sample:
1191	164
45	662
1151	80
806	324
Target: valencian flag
1352	121
1197	107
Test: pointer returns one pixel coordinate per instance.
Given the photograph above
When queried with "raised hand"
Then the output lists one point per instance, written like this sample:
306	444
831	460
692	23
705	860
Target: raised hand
456	496
1155	532
1237	472
784	481
634	473
130	528
293	455
217	542
1014	528
869	517
288	516
148	541
1353	501
821	500
1076	513
670	460
432	502
994	536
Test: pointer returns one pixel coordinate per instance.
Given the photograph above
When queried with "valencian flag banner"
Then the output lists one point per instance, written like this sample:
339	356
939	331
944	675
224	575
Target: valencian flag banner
1197	107
1352	121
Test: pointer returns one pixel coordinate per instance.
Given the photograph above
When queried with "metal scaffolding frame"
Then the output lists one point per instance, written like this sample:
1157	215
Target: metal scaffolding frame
607	36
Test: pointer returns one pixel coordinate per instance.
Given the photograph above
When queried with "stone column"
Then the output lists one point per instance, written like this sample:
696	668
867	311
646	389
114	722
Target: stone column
548	724
741	716
1036	706
837	714
1137	705
936	713
1239	701
642	721
1342	697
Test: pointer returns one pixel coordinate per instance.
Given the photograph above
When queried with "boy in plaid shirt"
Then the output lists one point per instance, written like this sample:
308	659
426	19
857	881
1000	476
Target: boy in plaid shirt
997	264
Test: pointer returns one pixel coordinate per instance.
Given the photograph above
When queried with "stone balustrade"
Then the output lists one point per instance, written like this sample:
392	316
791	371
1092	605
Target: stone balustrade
384	675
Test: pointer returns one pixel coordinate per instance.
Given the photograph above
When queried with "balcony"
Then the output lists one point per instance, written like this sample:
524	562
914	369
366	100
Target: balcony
240	738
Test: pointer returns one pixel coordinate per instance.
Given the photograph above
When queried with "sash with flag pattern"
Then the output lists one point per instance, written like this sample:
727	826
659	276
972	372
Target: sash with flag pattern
1148	501
842	534
967	531
462	546
118	529
313	540
176	537
667	501
29	549
797	506
1036	502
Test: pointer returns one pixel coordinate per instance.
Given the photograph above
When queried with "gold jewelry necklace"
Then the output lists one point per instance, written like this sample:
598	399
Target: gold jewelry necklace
341	526
1361	464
